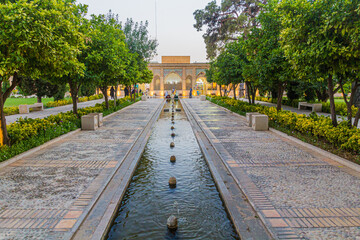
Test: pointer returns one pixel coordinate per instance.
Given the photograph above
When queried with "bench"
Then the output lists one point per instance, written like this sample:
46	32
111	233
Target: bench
260	122
314	107
249	117
91	121
24	109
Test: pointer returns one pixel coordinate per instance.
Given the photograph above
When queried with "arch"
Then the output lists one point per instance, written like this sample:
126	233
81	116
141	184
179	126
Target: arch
200	85
201	75
172	81
156	83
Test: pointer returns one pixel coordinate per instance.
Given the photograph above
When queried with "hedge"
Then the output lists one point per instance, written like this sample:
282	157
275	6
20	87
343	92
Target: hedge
27	133
340	108
15	110
342	136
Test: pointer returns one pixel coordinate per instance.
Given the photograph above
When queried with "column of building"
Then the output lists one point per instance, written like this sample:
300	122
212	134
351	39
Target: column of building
194	81
183	81
161	82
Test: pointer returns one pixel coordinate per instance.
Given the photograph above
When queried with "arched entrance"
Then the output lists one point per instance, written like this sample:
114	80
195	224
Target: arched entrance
172	81
200	86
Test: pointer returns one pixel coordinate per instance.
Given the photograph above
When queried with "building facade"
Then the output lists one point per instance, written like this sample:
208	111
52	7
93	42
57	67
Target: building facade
178	73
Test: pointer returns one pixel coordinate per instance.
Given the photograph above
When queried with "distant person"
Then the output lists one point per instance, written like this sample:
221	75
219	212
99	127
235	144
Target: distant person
190	94
126	92
112	92
140	92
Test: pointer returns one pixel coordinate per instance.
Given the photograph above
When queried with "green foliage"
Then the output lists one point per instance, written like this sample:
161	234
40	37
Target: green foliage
87	90
40	88
39	38
138	40
225	22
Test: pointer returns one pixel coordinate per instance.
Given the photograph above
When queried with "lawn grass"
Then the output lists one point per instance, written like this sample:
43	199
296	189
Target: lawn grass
14	102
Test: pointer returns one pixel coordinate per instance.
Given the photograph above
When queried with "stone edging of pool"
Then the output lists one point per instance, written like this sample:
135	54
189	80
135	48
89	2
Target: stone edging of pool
96	225
245	219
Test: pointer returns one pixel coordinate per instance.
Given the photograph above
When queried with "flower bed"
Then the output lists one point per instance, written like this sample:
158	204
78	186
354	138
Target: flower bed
28	133
69	101
340	108
342	136
15	110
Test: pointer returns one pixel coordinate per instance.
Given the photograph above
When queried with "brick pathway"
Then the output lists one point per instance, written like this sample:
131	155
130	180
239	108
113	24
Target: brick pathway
298	192
51	111
46	195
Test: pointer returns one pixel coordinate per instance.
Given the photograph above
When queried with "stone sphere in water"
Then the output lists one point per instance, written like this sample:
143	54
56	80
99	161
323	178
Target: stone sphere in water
172	159
173	134
172	182
172	144
172	128
172	223
173	122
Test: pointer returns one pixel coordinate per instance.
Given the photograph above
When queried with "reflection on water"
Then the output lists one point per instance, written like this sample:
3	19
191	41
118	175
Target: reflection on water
149	201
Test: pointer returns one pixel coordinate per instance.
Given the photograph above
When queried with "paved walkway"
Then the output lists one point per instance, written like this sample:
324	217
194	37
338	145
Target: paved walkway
51	111
297	192
47	195
292	109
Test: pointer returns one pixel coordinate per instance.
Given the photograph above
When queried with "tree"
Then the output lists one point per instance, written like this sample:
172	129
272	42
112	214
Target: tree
142	48
39	87
138	40
230	65
106	54
263	45
321	36
39	38
351	81
224	23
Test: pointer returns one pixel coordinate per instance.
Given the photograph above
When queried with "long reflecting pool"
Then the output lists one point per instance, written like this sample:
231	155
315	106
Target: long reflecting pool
195	201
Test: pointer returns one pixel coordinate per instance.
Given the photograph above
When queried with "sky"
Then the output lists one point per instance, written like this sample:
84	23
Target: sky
175	32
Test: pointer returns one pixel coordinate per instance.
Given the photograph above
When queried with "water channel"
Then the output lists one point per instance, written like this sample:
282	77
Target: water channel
149	200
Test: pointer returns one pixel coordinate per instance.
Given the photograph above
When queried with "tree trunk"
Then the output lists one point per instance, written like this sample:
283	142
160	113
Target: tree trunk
115	95
280	96
332	101
349	102
234	90
38	99
74	92
248	90
357	116
104	91
253	96
221	92
5	137
3	96
134	92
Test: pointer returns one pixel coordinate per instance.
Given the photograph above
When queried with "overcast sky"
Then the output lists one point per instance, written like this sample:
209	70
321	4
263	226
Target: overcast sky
175	32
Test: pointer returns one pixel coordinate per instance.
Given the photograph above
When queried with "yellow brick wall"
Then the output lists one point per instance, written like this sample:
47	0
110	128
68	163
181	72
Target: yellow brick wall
175	59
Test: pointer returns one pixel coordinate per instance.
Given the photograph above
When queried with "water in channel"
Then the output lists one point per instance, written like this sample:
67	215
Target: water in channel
149	201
